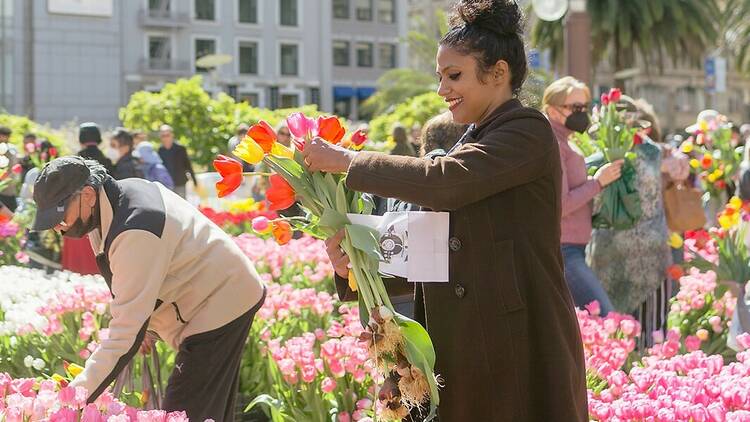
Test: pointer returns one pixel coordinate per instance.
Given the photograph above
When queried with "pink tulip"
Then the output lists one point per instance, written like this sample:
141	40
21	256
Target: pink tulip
344	417
328	385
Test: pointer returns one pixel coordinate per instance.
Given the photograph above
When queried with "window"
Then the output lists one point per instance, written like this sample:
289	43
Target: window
364	10
387	11
364	54
288	10
247	11
158	8
205	10
387	56
341	53
289	100
204	47
159	52
341	9
248	54
289	60
251	98
315	96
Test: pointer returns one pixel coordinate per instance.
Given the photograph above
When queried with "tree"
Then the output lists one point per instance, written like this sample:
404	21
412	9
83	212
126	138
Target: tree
201	123
734	28
680	29
416	110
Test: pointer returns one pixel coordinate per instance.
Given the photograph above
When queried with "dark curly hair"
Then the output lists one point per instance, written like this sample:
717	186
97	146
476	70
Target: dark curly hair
490	30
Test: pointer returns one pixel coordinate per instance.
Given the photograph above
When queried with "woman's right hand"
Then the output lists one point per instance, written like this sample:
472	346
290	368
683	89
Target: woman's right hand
339	259
608	173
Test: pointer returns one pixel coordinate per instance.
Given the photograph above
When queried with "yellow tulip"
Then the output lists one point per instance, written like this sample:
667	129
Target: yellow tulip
718	173
725	221
352	281
74	369
703	125
695	163
735	202
675	240
687	147
281	151
249	150
58	378
711	178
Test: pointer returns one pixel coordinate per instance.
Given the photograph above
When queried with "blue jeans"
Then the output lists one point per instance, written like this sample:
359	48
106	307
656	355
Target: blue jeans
584	285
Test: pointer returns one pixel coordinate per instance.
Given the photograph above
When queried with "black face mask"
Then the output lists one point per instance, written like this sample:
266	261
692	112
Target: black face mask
79	228
577	121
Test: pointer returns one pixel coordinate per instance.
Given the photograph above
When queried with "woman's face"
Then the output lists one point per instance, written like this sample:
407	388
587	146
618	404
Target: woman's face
469	99
576	100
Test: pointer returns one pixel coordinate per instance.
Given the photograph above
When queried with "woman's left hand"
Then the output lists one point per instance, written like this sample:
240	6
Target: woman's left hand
324	156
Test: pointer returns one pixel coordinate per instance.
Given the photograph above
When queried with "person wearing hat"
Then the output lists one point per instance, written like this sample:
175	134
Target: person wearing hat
171	272
90	137
126	166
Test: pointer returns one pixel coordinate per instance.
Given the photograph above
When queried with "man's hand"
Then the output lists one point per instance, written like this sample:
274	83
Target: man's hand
339	259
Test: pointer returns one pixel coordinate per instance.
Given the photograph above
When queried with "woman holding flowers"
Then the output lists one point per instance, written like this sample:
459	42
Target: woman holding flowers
632	263
504	329
566	102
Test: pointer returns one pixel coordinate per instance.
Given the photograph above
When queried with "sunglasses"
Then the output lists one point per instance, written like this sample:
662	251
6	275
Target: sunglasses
575	107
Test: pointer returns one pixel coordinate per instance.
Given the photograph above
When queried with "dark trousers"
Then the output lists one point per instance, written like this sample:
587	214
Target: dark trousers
206	373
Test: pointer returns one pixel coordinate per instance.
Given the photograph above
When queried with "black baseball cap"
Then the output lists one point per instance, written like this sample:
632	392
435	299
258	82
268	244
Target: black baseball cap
54	188
89	132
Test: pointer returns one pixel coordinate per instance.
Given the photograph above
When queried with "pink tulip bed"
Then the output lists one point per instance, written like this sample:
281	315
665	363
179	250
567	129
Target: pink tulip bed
304	360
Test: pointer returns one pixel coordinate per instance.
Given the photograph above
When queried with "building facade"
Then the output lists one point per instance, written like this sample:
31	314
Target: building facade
67	60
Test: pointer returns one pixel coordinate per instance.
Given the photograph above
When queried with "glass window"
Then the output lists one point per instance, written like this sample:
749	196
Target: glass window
364	54
387	11
251	98
248	57
288	10
387	56
341	9
364	10
341	53
159	52
289	59
205	10
289	100
248	11
158	8
204	47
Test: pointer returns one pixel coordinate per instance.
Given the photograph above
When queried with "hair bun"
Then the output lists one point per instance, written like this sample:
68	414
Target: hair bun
502	17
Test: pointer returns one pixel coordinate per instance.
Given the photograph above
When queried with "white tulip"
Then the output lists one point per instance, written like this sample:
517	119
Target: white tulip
28	361
4	161
39	364
3	148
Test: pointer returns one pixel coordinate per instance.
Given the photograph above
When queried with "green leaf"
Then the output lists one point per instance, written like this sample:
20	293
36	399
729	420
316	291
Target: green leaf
364	239
334	219
342	204
364	313
421	353
273	404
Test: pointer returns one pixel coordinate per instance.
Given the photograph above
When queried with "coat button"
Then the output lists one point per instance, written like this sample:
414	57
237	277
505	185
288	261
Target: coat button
460	291
454	244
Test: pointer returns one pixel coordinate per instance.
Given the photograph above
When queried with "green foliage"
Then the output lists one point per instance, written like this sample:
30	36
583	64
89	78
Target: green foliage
396	86
533	88
201	123
21	125
418	110
423	40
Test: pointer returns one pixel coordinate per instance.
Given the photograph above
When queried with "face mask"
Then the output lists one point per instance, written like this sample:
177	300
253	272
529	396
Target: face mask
578	121
112	154
79	228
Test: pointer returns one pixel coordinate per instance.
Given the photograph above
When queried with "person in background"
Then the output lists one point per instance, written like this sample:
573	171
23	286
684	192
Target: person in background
283	136
440	134
416	135
139	136
235	140
632	264
566	103
176	160
745	133
151	165
126	166
90	137
8	199
403	146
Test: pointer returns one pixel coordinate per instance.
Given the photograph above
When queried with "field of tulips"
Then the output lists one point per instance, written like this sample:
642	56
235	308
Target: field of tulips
304	360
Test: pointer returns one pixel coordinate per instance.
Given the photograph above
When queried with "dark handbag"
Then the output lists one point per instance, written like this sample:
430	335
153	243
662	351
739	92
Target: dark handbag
683	206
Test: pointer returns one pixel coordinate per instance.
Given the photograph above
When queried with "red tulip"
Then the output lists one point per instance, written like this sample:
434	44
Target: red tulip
53	152
330	129
263	134
16	169
637	139
359	137
604	99
614	95
675	272
280	194
282	232
231	175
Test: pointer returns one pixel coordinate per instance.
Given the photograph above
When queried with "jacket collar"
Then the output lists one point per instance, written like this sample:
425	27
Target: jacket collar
507	106
562	133
98	237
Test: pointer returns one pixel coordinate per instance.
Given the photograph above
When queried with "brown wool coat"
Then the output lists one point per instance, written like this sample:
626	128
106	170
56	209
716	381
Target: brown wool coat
504	326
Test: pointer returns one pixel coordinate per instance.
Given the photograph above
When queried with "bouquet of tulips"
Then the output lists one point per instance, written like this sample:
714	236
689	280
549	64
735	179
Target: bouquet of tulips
715	160
612	137
400	347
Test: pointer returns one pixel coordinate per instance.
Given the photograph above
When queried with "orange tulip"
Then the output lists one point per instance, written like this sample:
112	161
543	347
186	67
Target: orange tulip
282	232
280	194
330	129
231	175
263	134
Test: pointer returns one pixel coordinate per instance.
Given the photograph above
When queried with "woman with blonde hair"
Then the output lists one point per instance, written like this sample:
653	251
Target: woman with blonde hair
566	102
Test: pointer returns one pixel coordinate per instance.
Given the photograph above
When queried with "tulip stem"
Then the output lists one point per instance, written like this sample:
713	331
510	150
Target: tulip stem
256	173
